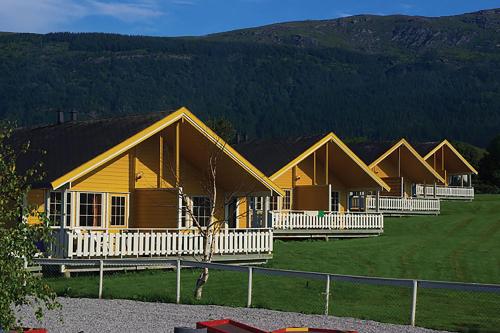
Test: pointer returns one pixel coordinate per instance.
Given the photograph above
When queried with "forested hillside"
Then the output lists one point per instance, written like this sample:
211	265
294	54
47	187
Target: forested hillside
364	76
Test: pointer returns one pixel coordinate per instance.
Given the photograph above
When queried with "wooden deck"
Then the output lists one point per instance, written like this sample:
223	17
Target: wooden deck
445	192
398	206
319	224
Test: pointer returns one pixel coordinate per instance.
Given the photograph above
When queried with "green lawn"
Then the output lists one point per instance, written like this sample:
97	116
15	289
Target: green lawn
462	244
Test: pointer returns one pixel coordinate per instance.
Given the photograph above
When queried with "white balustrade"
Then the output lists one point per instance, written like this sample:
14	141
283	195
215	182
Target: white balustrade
456	192
287	220
162	242
395	204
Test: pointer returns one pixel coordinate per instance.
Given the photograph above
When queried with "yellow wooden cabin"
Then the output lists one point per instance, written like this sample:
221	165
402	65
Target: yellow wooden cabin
123	187
319	176
401	167
453	168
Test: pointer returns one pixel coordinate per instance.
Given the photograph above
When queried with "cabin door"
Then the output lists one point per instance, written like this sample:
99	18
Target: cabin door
232	213
256	208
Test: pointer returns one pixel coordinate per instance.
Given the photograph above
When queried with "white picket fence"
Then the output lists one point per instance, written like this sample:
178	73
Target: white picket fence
287	220
160	242
445	192
404	205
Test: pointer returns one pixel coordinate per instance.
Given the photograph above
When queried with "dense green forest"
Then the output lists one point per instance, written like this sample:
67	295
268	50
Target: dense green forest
365	76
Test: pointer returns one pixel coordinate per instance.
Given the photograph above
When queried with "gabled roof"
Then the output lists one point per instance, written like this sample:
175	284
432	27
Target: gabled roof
430	148
74	149
370	151
271	155
425	147
374	153
275	157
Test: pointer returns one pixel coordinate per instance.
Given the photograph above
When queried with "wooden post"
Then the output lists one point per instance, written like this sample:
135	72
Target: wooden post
402	187
101	277
249	291
314	169
160	161
178	282
377	203
435	190
470	180
425	189
266	212
414	303
327	295
462	180
326	163
177	153
399	161
179	208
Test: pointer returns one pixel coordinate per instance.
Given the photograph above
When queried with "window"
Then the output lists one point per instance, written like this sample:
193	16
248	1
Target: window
56	208
334	201
258	203
90	214
274	203
118	210
287	200
201	210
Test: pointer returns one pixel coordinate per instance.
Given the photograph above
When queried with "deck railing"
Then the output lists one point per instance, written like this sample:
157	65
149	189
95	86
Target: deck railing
288	220
75	243
404	205
450	192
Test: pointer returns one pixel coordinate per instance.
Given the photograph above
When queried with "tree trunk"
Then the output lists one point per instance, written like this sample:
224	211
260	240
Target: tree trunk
207	257
202	279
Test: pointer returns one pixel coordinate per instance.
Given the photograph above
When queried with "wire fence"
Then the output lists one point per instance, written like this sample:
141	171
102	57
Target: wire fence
465	307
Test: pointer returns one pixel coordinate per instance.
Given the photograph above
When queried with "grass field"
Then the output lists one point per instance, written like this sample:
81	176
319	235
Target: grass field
462	244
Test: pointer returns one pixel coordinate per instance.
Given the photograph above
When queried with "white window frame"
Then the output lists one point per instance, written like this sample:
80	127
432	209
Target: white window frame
332	200
185	216
287	190
65	214
104	198
110	210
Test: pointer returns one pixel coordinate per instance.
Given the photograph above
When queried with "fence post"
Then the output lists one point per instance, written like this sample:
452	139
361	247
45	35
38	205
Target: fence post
101	276
327	295
250	282
178	282
414	303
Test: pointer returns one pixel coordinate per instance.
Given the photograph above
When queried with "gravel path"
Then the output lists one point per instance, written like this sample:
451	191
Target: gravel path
93	315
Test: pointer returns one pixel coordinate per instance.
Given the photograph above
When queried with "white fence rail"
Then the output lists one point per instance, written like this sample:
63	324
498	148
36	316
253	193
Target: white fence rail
287	220
405	205
449	192
159	242
415	285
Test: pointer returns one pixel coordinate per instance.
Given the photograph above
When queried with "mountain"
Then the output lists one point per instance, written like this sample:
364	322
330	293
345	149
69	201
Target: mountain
378	77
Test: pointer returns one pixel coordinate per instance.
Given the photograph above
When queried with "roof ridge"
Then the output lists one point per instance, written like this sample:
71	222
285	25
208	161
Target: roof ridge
95	120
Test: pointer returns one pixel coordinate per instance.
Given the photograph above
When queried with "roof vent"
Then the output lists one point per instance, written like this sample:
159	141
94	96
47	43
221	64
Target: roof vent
74	115
60	117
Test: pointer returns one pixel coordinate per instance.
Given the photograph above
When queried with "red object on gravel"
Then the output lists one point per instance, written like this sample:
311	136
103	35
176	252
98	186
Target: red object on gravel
231	326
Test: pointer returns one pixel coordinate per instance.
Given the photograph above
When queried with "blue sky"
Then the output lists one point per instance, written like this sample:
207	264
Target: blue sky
200	17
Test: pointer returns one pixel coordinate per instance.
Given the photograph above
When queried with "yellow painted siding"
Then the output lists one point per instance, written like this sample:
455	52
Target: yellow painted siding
111	177
285	180
305	172
147	163
154	209
36	199
311	198
343	201
242	212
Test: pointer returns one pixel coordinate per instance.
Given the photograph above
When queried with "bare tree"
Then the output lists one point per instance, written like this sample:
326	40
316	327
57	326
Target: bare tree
209	230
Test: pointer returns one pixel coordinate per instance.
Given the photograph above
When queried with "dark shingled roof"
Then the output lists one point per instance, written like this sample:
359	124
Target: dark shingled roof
71	144
423	148
271	155
370	151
